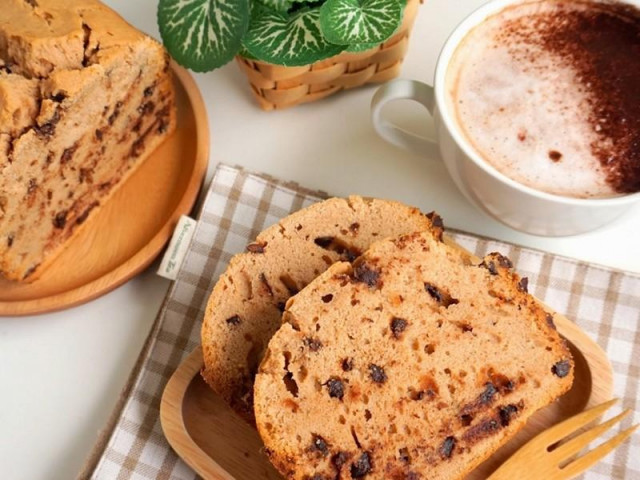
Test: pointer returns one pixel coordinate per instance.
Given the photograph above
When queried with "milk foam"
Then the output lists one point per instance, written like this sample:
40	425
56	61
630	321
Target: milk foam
523	109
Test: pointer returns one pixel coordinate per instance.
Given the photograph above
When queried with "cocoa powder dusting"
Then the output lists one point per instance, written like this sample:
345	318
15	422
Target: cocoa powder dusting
601	40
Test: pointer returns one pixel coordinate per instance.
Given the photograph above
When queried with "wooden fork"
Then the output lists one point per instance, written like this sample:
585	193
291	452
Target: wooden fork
544	457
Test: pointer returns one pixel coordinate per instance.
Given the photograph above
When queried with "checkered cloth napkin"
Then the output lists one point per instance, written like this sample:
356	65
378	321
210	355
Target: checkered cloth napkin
605	303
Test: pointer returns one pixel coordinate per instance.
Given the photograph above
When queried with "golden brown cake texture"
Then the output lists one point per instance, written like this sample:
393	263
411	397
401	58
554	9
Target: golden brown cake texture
84	98
245	307
412	363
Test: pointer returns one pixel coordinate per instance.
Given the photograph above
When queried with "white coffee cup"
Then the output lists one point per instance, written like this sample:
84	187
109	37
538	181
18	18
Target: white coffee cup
514	204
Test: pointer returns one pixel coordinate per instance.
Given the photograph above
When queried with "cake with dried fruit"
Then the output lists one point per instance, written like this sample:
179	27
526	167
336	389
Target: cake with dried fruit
245	307
84	99
412	363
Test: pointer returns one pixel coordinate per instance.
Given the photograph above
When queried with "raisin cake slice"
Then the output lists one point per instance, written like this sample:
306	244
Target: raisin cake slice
245	307
412	363
84	98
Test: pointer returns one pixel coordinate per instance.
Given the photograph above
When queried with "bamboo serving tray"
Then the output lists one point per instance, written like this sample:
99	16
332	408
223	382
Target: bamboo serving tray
219	445
132	227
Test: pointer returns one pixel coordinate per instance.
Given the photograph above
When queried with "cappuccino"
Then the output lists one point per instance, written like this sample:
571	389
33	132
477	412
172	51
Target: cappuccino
548	93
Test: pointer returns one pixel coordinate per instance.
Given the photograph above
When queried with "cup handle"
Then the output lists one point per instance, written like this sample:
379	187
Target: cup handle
404	90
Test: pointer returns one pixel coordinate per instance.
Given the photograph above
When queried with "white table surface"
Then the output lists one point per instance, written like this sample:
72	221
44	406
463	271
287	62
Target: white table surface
61	373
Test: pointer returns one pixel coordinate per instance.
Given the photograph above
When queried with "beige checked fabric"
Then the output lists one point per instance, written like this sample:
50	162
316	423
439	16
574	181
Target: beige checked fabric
604	303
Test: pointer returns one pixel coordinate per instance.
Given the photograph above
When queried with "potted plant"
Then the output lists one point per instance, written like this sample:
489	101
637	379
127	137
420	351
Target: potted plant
281	43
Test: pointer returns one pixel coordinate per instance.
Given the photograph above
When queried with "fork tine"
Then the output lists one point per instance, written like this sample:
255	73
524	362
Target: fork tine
578	443
561	430
582	463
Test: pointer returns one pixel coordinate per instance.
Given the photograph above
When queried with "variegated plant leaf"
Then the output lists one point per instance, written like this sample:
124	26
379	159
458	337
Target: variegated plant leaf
245	53
289	39
278	5
203	34
348	22
361	47
255	10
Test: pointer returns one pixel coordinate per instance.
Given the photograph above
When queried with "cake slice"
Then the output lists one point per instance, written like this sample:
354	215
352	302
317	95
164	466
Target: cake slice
245	307
84	99
412	363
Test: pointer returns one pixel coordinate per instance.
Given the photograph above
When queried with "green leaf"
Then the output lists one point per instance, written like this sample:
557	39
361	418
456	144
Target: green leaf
278	5
255	10
203	34
291	40
361	47
245	53
348	22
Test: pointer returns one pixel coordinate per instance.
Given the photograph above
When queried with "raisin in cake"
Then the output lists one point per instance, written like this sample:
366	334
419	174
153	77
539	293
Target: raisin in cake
412	363
84	98
246	305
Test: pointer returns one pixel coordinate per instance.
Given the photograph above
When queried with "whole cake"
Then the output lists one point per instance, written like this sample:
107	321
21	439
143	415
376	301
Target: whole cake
84	98
412	363
245	307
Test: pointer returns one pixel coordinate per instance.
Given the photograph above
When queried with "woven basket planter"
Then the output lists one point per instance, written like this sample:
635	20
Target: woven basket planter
276	87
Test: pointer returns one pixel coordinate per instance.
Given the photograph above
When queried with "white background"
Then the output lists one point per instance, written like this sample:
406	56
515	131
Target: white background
61	373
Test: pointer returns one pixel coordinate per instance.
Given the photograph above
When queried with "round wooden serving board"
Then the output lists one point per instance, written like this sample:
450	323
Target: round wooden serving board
219	445
132	227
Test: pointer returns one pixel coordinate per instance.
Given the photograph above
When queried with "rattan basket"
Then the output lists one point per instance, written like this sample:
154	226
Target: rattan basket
276	86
